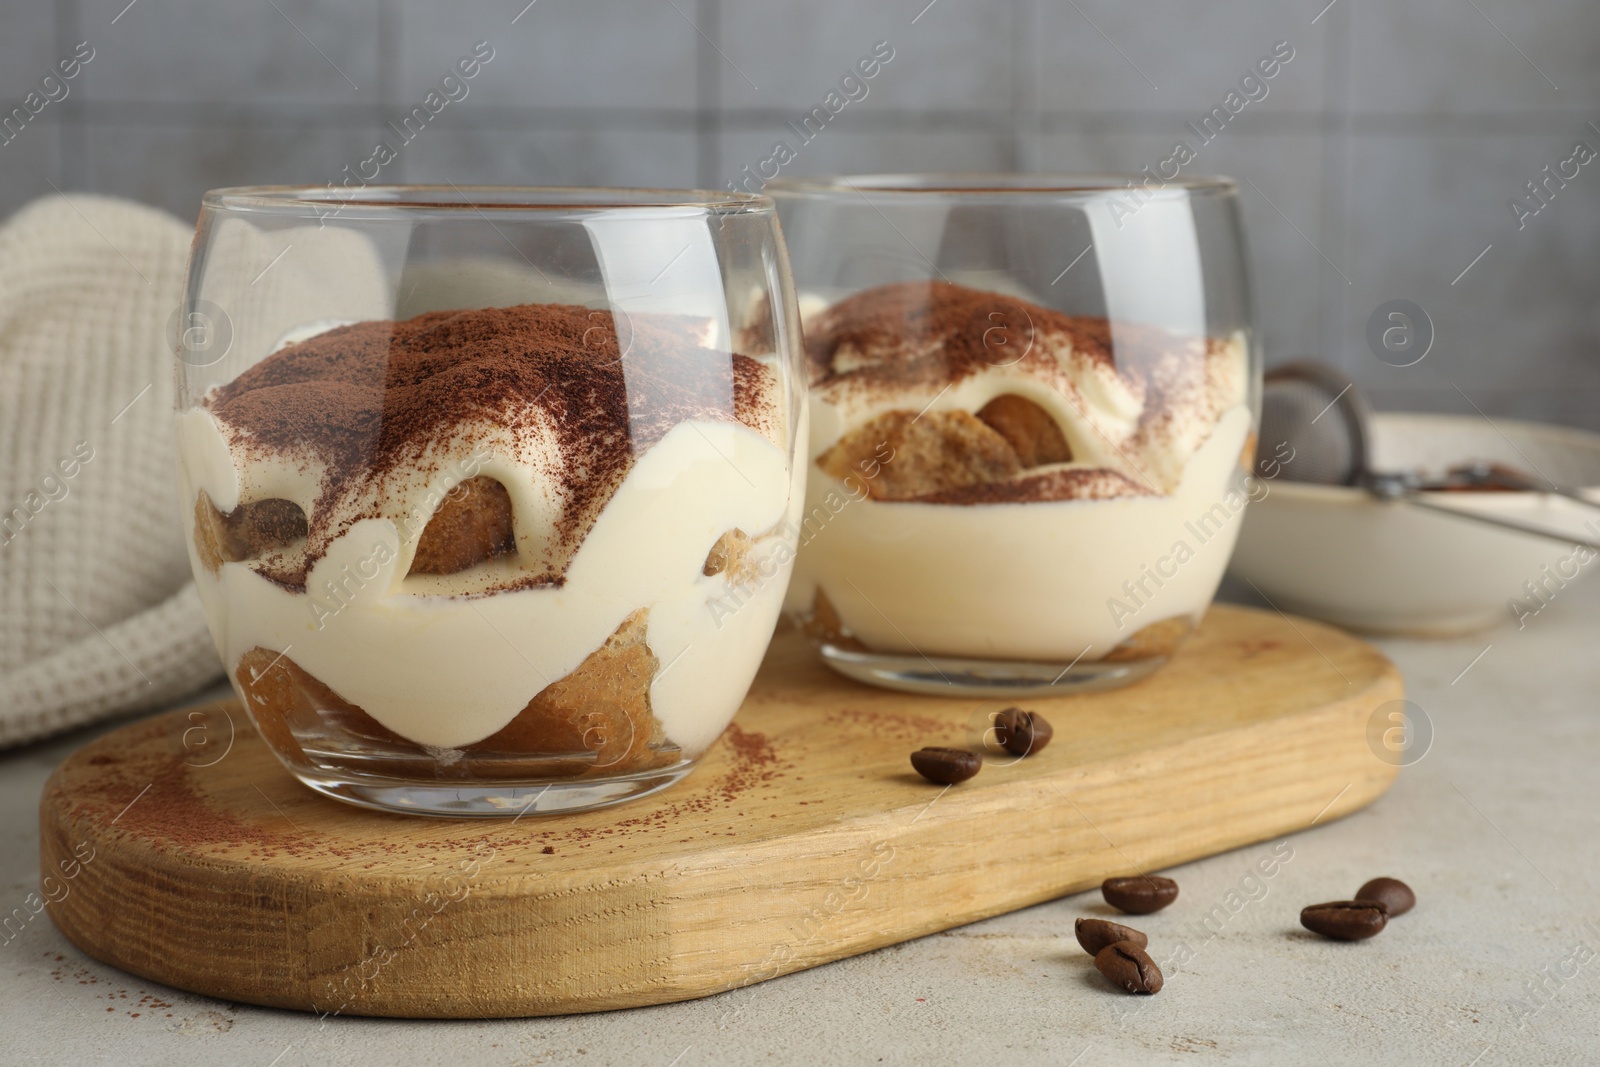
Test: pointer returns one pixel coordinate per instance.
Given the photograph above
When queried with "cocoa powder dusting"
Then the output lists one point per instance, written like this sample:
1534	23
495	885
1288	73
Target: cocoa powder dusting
901	726
916	339
179	808
935	333
940	332
1075	483
375	398
169	813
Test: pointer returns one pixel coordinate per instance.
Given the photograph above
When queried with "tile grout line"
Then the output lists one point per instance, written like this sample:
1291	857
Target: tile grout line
72	138
708	95
191	114
1022	73
390	21
1335	180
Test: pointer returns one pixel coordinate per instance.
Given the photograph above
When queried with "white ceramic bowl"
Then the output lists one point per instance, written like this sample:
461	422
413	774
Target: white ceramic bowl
1337	554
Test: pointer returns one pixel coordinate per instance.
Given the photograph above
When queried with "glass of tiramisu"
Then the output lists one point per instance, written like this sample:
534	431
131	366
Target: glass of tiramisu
491	493
1033	409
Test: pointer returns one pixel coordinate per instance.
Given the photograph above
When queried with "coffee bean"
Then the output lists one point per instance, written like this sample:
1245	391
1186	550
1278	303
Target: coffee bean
1345	920
1129	966
1141	894
1096	934
1391	892
1021	733
947	766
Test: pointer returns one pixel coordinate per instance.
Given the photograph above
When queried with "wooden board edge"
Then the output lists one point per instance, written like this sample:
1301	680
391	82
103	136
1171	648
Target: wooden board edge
844	940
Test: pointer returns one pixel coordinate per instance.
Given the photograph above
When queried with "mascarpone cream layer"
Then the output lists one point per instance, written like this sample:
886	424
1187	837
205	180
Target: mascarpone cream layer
1033	581
444	668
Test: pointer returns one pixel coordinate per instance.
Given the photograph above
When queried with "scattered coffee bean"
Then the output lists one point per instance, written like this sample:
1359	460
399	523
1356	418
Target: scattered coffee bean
1141	894
1391	892
1345	920
1129	966
1096	934
946	766
1021	733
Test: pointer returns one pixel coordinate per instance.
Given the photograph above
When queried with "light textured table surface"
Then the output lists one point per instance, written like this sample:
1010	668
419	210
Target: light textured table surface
1495	828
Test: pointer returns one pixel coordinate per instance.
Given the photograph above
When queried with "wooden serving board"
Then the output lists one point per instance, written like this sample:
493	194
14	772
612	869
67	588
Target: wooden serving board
803	837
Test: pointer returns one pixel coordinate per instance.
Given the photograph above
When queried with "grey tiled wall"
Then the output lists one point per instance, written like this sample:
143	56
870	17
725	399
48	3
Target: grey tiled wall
1380	164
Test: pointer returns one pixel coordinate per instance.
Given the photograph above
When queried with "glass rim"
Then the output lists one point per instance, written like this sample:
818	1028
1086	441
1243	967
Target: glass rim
450	198
978	184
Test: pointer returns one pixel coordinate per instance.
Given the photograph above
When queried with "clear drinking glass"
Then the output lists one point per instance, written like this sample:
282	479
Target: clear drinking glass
1033	412
489	491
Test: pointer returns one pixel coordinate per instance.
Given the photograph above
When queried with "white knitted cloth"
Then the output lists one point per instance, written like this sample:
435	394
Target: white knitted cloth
98	612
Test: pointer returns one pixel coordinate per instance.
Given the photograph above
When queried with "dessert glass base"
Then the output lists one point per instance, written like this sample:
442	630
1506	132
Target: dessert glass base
958	677
494	799
584	742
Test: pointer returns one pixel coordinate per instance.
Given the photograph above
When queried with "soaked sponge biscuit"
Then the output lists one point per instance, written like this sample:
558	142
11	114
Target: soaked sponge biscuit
596	720
902	454
602	707
1028	428
824	626
1159	640
732	555
250	531
472	525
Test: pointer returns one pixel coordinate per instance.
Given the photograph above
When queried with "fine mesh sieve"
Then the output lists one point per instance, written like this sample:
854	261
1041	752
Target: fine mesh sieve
1317	412
1322	417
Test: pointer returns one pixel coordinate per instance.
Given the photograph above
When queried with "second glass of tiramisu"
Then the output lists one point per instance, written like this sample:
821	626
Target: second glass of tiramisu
1033	404
490	492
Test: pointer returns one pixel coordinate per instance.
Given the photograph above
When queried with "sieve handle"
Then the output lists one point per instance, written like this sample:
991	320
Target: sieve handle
1486	474
1400	488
